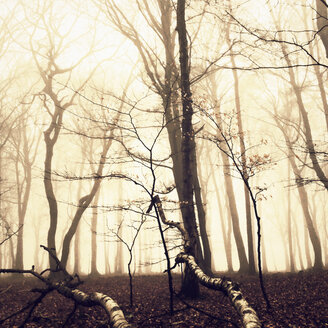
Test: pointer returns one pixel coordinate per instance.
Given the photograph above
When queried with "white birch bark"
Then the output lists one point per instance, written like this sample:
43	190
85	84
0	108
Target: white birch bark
231	290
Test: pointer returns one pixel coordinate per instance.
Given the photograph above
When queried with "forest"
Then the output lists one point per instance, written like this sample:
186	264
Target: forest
163	163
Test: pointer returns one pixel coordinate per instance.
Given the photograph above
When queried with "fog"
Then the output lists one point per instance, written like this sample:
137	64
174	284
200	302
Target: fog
91	120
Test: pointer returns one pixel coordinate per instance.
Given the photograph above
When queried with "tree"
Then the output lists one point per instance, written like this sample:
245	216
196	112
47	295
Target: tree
164	81
67	288
9	110
282	43
244	266
54	99
25	144
251	261
130	247
187	144
321	11
282	123
247	314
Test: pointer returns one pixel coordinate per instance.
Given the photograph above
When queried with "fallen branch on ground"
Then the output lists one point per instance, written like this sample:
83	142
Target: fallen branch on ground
231	290
66	287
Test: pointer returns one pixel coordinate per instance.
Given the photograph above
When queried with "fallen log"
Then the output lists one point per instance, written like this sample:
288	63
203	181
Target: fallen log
230	289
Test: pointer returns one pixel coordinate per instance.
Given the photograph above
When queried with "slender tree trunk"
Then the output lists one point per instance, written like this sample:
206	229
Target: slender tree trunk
229	235
23	193
251	261
190	285
94	221
84	202
309	223
119	255
306	131
77	245
325	242
264	254
119	249
289	225
201	213
50	138
244	267
106	252
306	247
225	232
141	253
234	215
201	201
300	256
306	124
304	201
264	258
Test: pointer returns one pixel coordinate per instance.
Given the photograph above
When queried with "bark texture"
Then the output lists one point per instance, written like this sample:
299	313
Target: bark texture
231	290
322	22
115	314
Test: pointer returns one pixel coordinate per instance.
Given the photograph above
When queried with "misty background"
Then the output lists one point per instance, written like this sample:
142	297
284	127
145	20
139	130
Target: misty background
90	118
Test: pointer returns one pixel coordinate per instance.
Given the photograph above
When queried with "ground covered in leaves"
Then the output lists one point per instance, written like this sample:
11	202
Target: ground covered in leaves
298	300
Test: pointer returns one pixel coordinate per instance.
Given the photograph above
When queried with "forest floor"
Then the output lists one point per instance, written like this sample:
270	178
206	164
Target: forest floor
298	300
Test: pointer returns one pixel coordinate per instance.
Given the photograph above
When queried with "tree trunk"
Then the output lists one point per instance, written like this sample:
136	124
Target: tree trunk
77	261
94	221
201	213
226	234
301	189
201	202
289	226
77	245
305	206
251	261
248	315
84	202
234	215
306	123
306	246
119	249
36	261
321	9
190	286
264	257
50	138
244	267
23	194
106	251
300	257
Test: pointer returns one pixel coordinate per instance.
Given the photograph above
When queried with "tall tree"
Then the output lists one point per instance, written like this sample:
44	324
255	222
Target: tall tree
94	222
164	80
25	143
238	110
46	54
244	266
190	286
322	19
300	187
